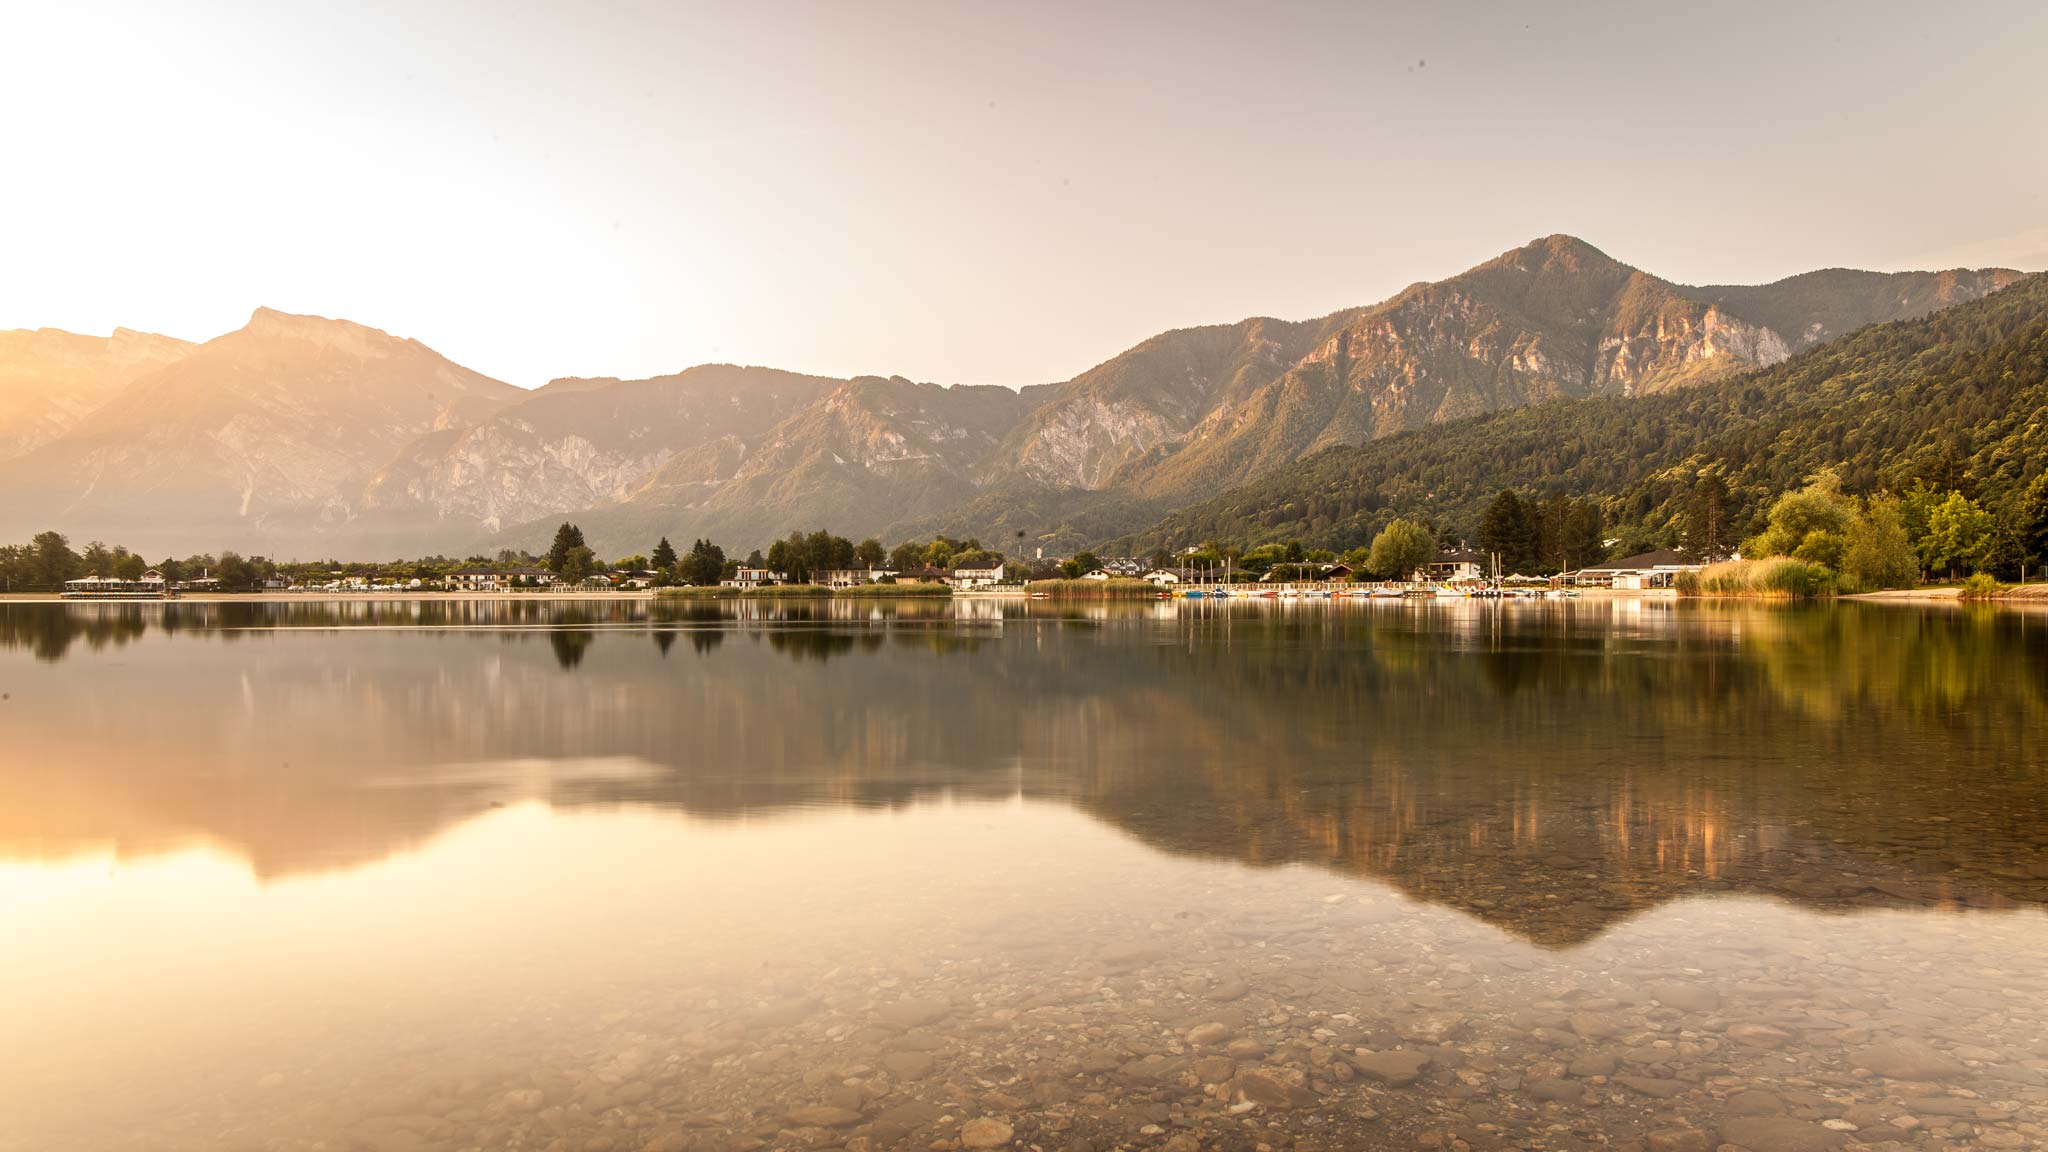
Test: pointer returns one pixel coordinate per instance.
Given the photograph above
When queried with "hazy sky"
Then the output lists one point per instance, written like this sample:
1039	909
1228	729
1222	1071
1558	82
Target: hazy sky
968	193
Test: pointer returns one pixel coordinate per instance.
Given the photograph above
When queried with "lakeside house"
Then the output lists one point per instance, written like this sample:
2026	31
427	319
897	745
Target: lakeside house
494	578
976	577
922	574
1165	576
1658	569
1125	566
744	577
848	577
1453	565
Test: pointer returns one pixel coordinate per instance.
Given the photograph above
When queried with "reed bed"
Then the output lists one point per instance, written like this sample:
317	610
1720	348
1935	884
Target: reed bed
1115	588
1774	577
911	591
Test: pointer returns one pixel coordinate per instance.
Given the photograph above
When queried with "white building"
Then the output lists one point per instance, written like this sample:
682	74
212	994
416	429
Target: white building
1454	565
493	578
975	577
753	578
1657	569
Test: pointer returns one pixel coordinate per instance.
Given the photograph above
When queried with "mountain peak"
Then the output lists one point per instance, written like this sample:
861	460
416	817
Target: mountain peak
342	335
1555	250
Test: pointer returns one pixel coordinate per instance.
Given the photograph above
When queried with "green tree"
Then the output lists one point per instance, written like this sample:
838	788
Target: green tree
868	553
567	538
52	561
1707	534
1819	508
129	567
1087	561
664	555
1071	569
2033	521
1572	531
1958	534
704	565
235	573
97	559
1510	526
1877	553
578	565
907	555
1401	547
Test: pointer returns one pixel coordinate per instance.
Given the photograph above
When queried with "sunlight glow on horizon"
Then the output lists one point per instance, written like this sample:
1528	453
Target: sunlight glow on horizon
972	194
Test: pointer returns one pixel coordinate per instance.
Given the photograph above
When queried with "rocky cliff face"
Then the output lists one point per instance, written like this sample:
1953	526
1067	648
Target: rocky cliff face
868	453
1085	430
585	443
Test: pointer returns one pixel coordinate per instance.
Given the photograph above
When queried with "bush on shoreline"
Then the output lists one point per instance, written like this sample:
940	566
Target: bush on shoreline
1776	577
1980	586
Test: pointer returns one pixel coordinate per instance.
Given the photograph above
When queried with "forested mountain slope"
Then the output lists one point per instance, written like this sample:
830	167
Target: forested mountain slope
1958	397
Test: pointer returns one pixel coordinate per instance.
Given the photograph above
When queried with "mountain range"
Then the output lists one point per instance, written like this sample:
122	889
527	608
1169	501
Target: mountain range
303	436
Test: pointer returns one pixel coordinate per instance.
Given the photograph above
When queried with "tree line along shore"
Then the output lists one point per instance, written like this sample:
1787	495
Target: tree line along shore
1816	540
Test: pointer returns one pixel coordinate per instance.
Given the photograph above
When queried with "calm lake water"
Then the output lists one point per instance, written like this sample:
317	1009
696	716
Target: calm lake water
614	876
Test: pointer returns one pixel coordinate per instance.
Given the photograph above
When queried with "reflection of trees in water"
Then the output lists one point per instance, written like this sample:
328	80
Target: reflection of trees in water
49	633
1553	770
570	644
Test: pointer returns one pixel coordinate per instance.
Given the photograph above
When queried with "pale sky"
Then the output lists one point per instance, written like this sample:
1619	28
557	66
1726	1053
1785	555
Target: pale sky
968	192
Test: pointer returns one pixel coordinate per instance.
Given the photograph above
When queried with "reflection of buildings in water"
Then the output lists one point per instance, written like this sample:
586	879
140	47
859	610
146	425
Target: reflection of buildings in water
1552	772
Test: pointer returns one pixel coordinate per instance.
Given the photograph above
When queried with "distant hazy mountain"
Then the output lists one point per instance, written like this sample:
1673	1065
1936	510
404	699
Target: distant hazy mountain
302	436
50	380
269	433
869	453
579	443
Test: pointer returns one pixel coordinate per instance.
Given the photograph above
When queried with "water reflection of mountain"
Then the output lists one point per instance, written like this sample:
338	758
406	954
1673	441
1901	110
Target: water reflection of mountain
1552	770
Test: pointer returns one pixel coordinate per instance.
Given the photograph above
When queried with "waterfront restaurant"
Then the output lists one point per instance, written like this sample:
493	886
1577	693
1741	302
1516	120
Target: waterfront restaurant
150	586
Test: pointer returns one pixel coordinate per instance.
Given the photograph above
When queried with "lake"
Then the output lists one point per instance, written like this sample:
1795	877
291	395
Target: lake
613	876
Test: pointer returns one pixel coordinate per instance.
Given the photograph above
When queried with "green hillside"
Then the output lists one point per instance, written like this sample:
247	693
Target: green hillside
1958	397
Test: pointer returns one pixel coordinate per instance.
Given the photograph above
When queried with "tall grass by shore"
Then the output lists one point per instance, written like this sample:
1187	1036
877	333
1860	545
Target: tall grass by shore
1115	588
808	592
1774	577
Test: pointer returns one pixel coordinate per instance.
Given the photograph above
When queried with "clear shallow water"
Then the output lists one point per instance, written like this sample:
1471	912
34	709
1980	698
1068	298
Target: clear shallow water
623	876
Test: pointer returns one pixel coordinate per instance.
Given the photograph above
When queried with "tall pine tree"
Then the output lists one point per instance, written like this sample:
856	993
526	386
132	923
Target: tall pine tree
568	538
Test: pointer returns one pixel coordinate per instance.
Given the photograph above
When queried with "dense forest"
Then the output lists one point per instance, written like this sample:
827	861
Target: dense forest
1957	399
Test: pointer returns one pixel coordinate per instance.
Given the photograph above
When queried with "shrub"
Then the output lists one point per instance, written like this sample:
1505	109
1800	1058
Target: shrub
1775	576
1979	586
